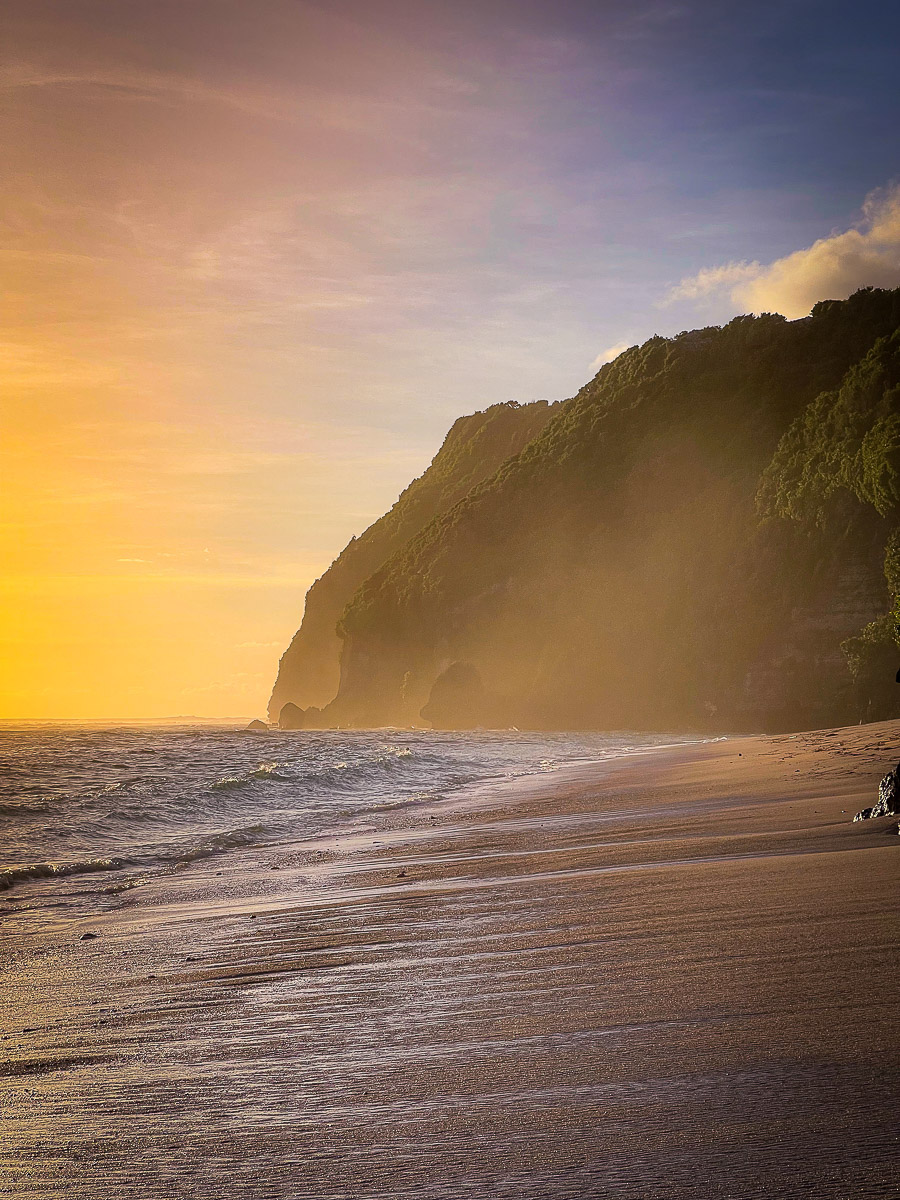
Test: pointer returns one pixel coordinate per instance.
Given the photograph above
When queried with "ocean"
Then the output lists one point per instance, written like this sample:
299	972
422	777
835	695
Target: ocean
81	800
403	965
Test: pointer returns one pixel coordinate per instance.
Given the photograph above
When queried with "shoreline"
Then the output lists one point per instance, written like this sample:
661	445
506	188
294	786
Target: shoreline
671	976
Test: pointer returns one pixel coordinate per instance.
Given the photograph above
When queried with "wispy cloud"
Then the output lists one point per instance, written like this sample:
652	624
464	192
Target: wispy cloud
150	85
867	255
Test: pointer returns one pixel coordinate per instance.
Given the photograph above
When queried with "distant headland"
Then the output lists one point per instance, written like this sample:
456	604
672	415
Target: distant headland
707	535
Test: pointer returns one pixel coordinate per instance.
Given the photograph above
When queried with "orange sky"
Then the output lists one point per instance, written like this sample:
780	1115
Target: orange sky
221	236
256	258
173	477
158	530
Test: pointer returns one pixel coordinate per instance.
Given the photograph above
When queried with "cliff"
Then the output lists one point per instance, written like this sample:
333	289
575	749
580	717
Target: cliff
702	537
309	671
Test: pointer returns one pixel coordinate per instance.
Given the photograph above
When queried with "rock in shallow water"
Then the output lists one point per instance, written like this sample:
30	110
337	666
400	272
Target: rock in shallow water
888	798
291	716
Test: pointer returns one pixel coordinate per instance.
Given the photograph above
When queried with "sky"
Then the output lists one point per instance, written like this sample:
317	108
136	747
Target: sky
258	256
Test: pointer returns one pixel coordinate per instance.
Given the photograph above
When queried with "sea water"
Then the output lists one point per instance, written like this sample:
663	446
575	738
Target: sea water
509	980
78	800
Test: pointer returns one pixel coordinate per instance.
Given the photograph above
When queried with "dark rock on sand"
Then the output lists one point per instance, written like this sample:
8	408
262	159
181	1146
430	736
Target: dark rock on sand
87	937
889	790
888	798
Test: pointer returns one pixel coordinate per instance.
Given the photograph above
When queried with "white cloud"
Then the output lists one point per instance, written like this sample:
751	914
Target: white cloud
710	280
831	269
609	354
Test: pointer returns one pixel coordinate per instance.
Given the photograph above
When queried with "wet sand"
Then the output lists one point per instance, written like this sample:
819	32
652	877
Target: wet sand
672	976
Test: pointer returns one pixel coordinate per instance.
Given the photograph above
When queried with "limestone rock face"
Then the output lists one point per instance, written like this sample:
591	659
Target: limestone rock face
888	798
291	717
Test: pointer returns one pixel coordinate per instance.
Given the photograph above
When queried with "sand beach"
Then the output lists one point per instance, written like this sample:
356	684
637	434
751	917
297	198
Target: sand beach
670	976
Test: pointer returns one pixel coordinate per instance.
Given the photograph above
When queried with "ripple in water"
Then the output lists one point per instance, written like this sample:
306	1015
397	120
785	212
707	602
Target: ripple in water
74	800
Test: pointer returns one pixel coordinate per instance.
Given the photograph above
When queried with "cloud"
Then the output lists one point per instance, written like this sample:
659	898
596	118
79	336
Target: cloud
609	354
710	280
149	85
867	255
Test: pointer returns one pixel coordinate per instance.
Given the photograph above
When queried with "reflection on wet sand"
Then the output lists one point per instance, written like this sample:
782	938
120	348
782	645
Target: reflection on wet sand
672	978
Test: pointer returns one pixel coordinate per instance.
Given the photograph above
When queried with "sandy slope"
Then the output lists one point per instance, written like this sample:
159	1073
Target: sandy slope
673	977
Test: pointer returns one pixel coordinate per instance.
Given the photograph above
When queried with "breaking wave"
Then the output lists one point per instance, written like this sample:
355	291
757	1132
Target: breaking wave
231	839
79	800
390	758
49	870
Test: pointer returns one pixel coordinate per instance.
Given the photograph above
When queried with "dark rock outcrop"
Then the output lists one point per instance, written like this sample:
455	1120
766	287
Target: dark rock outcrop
458	699
257	727
291	717
888	798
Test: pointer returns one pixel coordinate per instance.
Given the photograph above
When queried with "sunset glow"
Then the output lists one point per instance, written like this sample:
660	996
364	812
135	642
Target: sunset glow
258	258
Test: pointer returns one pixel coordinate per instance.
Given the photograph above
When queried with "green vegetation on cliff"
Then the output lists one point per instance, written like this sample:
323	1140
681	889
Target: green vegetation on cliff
476	445
837	472
685	543
846	441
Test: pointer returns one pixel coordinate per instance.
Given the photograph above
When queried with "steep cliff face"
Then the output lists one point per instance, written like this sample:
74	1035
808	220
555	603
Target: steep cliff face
836	477
619	571
309	671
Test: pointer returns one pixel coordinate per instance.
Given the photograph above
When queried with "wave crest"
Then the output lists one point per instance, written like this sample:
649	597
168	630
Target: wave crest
10	876
229	839
264	771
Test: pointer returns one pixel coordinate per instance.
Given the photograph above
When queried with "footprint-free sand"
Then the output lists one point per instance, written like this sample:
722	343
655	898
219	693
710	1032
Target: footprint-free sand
675	975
